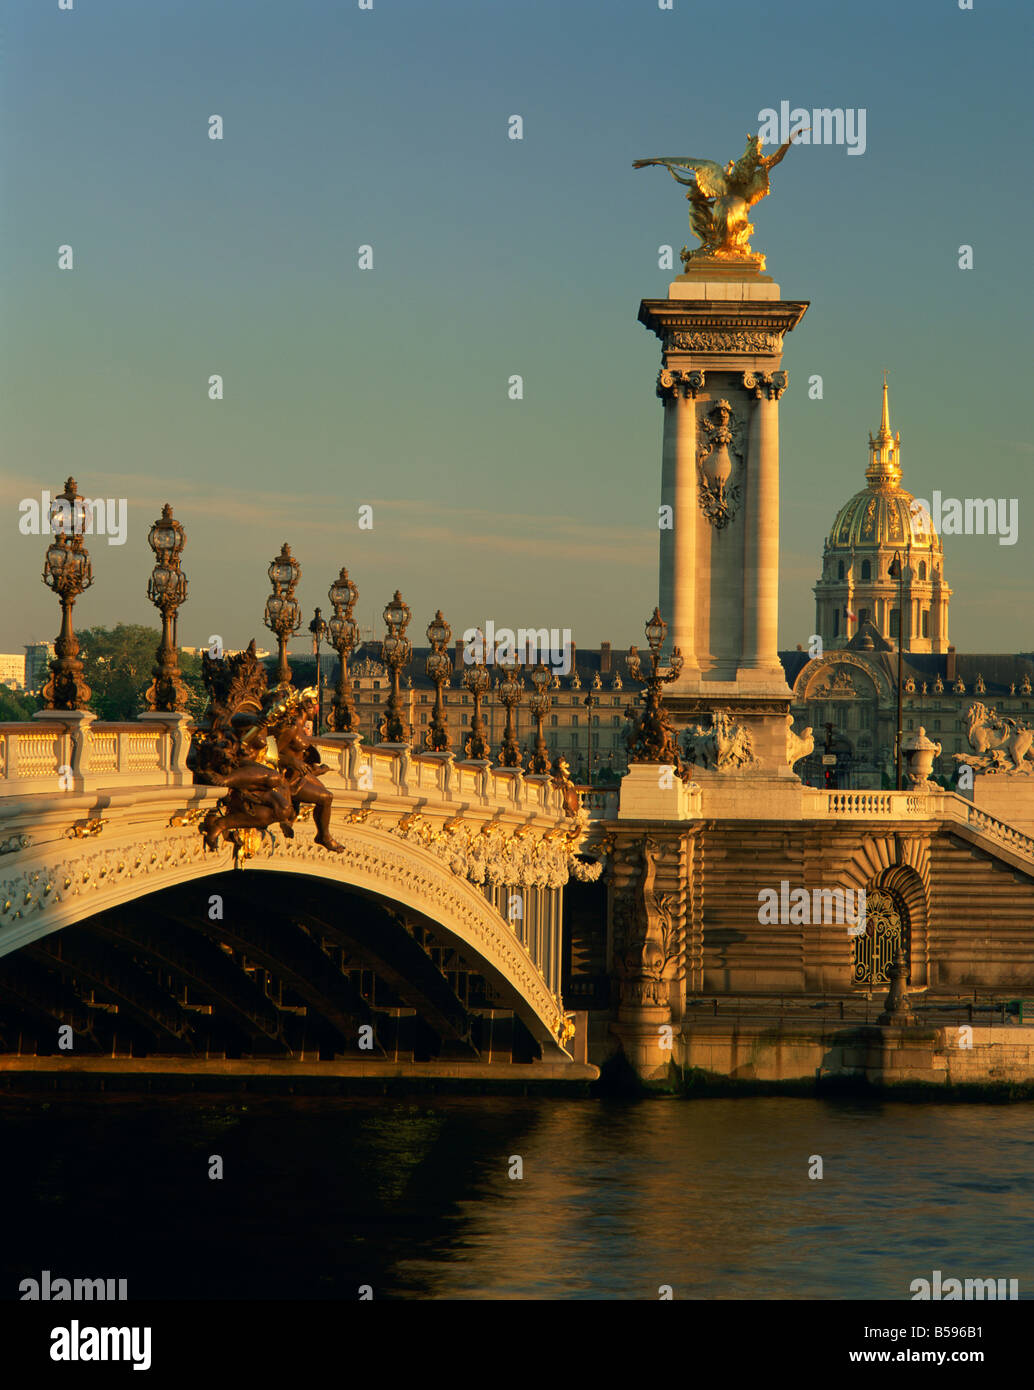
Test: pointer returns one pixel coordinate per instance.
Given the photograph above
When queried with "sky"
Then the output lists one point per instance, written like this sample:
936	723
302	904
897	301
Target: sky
492	257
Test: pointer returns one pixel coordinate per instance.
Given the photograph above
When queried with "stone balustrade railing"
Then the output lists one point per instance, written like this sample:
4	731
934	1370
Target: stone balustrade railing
386	769
876	803
599	803
959	809
937	805
75	752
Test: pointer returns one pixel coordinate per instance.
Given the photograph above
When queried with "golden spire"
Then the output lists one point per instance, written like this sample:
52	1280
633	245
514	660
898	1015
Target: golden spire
884	468
885	415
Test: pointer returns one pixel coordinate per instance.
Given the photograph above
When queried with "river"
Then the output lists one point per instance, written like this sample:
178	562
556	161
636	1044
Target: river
618	1198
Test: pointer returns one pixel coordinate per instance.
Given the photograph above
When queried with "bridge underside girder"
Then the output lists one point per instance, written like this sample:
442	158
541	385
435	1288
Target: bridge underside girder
395	957
284	967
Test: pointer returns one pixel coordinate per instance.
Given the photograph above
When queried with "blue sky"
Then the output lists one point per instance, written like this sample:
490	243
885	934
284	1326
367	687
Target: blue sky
492	257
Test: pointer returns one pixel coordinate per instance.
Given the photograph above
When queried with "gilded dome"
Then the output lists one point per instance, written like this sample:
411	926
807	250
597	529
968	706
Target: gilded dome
882	516
883	513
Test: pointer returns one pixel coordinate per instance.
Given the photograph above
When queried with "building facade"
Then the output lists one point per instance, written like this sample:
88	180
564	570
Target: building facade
12	670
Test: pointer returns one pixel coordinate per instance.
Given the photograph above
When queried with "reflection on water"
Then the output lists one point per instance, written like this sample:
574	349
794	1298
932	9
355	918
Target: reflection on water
617	1199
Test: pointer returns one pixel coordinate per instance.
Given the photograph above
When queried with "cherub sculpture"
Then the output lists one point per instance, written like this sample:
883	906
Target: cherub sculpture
255	743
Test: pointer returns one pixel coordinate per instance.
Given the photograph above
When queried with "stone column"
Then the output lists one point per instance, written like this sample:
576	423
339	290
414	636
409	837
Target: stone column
761	542
678	391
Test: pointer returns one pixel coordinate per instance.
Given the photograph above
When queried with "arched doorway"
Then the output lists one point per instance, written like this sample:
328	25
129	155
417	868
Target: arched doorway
886	928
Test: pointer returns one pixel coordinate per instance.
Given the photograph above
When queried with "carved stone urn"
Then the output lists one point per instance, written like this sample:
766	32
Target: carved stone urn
920	753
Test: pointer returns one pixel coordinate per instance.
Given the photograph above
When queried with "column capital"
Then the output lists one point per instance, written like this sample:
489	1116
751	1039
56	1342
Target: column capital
673	384
770	385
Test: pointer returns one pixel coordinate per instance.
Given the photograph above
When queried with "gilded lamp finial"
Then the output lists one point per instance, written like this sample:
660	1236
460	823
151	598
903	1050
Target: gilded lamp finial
720	200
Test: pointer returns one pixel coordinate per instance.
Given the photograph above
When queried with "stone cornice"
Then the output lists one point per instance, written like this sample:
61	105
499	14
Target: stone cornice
722	325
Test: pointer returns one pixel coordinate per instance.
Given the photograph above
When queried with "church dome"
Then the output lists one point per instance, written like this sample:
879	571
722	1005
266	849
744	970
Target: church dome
881	516
860	586
883	513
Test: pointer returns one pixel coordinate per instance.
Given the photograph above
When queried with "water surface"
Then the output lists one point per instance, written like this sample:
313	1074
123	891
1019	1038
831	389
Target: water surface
415	1199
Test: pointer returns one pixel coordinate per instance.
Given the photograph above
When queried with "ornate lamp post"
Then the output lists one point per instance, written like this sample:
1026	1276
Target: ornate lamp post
283	616
438	667
897	571
68	572
344	637
652	738
539	703
509	688
590	702
397	651
167	589
319	630
478	681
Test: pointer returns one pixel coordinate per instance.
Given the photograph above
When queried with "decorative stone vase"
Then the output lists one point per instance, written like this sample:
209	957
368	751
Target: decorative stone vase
920	753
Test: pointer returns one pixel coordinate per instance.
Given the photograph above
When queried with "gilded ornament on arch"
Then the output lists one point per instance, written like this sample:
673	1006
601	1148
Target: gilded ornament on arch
81	829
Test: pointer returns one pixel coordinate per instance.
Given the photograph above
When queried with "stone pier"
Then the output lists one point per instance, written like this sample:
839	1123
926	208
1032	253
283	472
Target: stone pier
720	382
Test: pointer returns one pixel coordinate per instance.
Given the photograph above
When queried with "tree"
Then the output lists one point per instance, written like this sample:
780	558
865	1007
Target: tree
16	706
118	664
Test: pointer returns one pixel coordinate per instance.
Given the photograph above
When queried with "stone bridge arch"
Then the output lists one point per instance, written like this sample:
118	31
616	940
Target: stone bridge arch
59	885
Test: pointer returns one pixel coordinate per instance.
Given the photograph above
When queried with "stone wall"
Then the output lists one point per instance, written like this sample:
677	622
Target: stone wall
791	1051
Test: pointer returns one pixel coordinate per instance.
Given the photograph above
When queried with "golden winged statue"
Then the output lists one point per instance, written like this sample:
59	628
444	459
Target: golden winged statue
720	200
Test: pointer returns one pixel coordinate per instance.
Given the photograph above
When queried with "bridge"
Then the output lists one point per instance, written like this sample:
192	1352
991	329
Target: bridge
435	936
436	942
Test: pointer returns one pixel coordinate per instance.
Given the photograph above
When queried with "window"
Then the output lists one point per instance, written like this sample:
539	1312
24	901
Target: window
922	570
926	622
376	685
866	571
615	720
554	720
840	570
595	721
423	719
465	719
908	723
574	721
894	621
863	616
424	699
